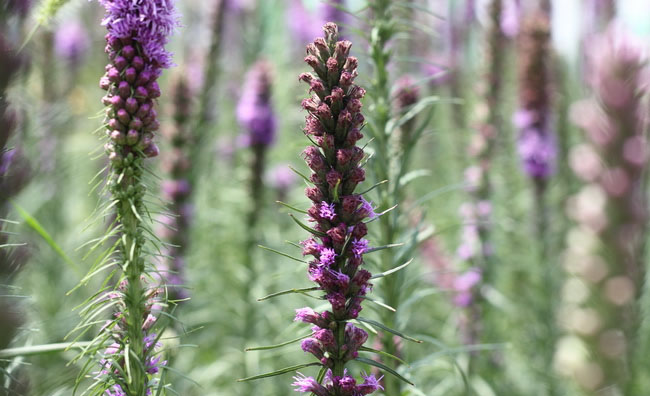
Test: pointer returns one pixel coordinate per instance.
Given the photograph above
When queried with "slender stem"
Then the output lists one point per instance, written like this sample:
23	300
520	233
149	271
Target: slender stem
206	104
257	195
387	168
133	265
339	363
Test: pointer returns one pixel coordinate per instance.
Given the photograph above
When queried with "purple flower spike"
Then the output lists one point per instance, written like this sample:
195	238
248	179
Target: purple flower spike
536	145
334	120
135	45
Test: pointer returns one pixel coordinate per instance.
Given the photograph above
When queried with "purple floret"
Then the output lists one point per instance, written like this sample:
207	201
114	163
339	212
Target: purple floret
149	22
327	210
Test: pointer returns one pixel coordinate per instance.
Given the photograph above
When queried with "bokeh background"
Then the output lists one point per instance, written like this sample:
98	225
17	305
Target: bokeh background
59	105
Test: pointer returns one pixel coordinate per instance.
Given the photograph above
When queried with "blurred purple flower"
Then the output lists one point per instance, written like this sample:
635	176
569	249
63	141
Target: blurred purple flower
254	110
331	13
303	25
536	143
281	178
510	18
71	42
536	147
464	285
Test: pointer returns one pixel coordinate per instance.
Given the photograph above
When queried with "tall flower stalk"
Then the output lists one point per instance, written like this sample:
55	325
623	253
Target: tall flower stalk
258	121
537	149
137	33
337	244
177	191
14	174
395	129
476	248
605	252
485	140
206	106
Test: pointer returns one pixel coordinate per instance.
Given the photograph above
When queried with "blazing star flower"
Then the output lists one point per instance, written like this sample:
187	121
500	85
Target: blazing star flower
334	120
137	33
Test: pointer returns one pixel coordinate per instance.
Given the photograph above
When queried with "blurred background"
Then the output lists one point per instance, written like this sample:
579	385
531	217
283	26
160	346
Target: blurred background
223	50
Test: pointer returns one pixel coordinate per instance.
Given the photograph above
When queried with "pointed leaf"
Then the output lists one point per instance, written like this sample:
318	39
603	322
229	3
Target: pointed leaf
10	353
306	227
377	248
292	207
373	187
381	304
385	273
36	226
382	353
290	291
388	329
300	174
412	175
383	367
281	254
280	372
264	348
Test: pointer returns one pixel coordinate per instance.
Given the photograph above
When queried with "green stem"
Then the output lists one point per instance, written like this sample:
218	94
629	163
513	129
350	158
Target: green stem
134	298
339	364
387	167
204	117
257	195
490	132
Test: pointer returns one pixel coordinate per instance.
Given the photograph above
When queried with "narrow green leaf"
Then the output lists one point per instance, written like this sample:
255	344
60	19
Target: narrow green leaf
417	108
383	367
382	353
385	273
290	291
292	207
412	175
388	329
264	348
306	227
377	248
373	187
281	253
10	353
381	214
381	304
6	245
36	226
280	372
300	174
